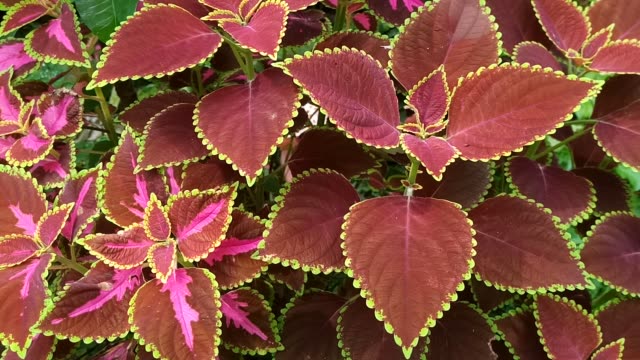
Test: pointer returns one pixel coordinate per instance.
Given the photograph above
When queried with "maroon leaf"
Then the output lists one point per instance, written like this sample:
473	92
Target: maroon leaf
60	113
365	21
41	348
100	297
264	30
618	133
620	320
140	113
21	14
535	54
24	293
626	18
12	54
59	41
208	174
16	249
250	326
181	43
434	153
327	148
596	42
10	105
228	5
611	351
568	196
296	5
489	298
367	111
393	11
303	26
186	306
618	57
611	192
490	104
430	99
564	23
611	251
519	331
531	256
517	22
397	233
193	6
22	202
80	189
375	45
312	316
469	42
55	168
32	147
163	259
294	279
156	222
244	123
304	230
125	249
363	337
586	152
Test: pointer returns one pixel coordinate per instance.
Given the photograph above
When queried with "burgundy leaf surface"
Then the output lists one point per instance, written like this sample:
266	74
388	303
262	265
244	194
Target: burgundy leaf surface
611	191
140	113
567	27
517	22
535	54
626	18
620	319
372	44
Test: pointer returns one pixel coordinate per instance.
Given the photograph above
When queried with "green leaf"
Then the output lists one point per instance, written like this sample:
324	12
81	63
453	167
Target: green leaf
102	16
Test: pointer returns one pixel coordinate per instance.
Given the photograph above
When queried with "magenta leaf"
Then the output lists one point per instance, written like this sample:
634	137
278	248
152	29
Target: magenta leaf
22	202
435	153
16	249
51	224
372	44
60	113
80	190
20	15
55	168
618	57
245	309
564	23
593	45
186	306
184	42
12	54
10	102
535	54
367	111
31	148
126	249
100	297
396	233
619	319
306	224
140	113
244	123
163	259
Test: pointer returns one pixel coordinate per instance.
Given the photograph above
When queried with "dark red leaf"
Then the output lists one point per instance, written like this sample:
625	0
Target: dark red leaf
374	45
626	18
20	15
612	193
535	54
565	24
519	331
303	26
294	279
296	5
596	42
619	134
40	349
193	6
434	153
365	21
430	99
621	319
156	222
611	351
16	249
517	22
617	93
126	249
208	174
488	297
394	11
618	57
586	152
140	113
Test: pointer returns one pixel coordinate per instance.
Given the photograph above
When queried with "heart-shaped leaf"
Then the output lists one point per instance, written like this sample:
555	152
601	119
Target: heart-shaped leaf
375	45
488	106
365	110
612	193
304	230
22	203
20	15
397	233
138	114
611	251
529	257
619	319
518	329
80	189
124	250
187	307
535	54
517	22
12	54
618	57
568	196
184	42
100	297
565	24
626	18
611	351
435	153
469	42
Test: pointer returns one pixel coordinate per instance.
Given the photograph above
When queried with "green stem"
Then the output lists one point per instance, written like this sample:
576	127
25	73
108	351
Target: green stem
184	262
581	122
200	84
413	174
570	67
604	163
562	143
533	149
341	15
248	57
71	264
106	118
243	56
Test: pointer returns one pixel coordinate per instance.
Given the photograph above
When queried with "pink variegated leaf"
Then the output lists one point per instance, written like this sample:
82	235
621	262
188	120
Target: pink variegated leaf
24	293
565	24
22	202
60	113
173	176
51	224
31	148
170	138
200	219
10	102
163	259
593	45
186	306
59	41
244	123
434	153
125	194
231	247
13	55
365	21
55	168
535	54
22	14
126	249
156	222
249	323
374	45
81	190
430	98
618	57
181	43
16	249
140	113
41	348
94	306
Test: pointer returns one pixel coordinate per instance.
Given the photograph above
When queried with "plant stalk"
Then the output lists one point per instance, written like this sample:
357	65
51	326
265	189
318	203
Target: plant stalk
106	118
413	174
71	264
341	15
562	143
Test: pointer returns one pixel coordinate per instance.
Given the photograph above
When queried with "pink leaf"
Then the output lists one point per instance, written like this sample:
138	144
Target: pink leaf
184	313
12	54
232	310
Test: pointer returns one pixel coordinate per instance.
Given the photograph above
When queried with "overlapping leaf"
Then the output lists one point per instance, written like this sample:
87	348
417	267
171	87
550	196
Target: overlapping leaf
611	191
22	203
518	329
618	57
12	54
22	14
430	99
517	22
140	113
303	26
372	44
434	153
80	189
626	18
619	319
41	348
611	351
535	54
55	168
564	23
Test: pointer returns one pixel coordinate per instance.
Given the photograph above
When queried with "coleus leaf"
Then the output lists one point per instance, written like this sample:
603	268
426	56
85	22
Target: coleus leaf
618	128
311	316
626	18
393	11
60	113
305	225
163	259
41	348
617	93
371	43
435	153
367	111
55	168
244	123
568	196
618	57
16	249
187	307
22	203
124	194
567	330
81	190
10	103
25	296
469	42
156	222
264	30
294	279
195	7
50	225
125	249
430	99
250	325
100	297
138	114
518	329
529	257
365	21
363	337
611	351
184	42
396	233
296	5
565	24
535	54
475	121
611	251
208	174
303	26
12	54
22	14
612	193
619	319
59	41
170	139
517	22
596	41
489	298
200	219
32	147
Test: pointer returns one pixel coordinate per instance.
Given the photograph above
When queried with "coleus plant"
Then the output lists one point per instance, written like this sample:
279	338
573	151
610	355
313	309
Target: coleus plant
290	179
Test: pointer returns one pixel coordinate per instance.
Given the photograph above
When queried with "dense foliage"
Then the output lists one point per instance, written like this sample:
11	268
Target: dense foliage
294	179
